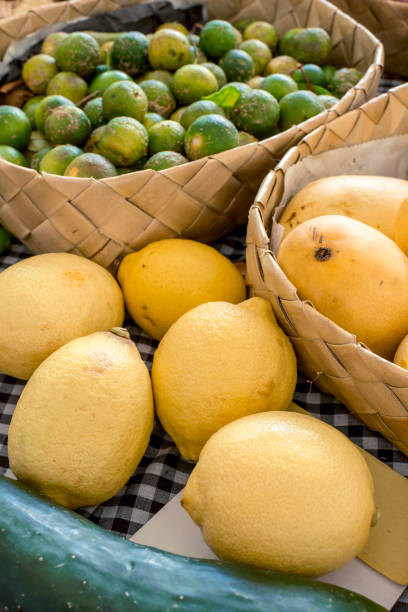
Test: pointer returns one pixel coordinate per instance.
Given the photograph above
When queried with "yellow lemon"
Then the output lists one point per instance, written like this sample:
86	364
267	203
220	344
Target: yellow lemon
217	363
47	300
167	278
282	491
83	421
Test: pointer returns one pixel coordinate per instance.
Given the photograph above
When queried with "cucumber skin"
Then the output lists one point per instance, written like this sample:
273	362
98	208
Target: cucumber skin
52	559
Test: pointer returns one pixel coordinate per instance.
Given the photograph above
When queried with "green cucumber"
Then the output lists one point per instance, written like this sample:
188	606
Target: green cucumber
52	559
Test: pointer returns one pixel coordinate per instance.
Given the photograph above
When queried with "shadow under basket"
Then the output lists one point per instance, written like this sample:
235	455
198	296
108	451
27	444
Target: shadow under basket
372	140
104	220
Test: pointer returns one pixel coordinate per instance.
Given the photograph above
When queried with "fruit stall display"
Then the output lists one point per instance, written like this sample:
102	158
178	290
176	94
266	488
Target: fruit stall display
119	386
349	228
230	83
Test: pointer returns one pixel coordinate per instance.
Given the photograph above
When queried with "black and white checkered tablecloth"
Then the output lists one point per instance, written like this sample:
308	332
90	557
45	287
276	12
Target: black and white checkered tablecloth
162	473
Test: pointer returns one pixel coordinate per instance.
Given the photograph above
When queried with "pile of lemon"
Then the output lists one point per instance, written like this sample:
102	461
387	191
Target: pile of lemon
271	488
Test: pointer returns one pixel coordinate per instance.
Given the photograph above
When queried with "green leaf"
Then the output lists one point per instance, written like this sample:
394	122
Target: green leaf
226	97
317	89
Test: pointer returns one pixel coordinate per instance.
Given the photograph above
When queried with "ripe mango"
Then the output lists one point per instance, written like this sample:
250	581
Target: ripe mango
354	275
373	200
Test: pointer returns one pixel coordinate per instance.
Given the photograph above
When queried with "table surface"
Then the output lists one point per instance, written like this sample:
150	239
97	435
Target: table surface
162	472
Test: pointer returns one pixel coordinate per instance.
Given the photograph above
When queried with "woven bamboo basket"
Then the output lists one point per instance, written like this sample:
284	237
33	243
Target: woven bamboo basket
373	388
388	20
202	200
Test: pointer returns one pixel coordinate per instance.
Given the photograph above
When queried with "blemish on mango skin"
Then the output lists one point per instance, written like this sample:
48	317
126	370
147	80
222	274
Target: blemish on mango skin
73	278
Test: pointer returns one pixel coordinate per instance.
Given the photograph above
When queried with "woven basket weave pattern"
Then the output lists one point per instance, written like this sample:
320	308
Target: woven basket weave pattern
103	220
374	389
388	20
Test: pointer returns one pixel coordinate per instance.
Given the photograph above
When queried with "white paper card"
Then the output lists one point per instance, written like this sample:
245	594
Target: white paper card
172	530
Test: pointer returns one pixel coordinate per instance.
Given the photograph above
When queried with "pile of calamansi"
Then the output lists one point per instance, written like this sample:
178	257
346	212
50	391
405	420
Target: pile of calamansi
104	104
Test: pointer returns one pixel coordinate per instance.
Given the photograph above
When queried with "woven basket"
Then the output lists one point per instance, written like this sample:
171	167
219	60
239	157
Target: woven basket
388	20
202	200
373	388
14	7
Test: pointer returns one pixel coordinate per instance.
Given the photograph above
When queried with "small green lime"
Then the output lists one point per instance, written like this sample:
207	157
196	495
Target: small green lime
242	24
150	119
259	51
52	42
90	165
245	138
278	85
15	127
102	81
264	31
176	116
130	53
169	50
164	76
38	71
217	37
93	109
197	55
208	135
307	45
282	64
256	112
37	157
91	145
299	106
256	82
286	43
124	141
124	99
343	80
166	136
310	73
329	72
159	98
30	106
192	82
45	106
37	141
197	109
78	52
237	65
165	159
217	72
68	84
12	155
56	160
67	125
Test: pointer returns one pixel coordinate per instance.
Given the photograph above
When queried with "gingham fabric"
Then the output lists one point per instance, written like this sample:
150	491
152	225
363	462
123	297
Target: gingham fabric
162	473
